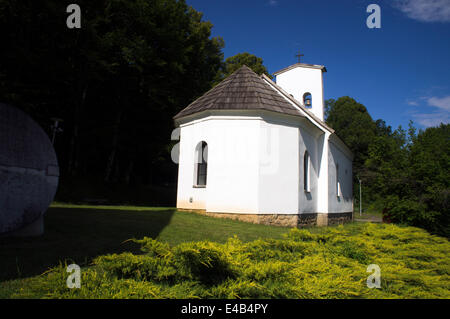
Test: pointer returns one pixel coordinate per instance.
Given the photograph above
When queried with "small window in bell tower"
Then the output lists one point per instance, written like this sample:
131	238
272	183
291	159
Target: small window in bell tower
307	100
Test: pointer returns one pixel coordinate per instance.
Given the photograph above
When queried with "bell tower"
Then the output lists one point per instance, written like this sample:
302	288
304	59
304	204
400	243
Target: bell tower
305	83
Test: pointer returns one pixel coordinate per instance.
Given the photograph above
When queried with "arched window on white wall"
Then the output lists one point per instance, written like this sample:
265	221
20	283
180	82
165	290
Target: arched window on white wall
307	100
306	172
338	184
201	165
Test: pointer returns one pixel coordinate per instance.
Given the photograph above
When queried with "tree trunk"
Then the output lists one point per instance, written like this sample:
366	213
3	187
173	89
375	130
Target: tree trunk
128	172
115	142
74	141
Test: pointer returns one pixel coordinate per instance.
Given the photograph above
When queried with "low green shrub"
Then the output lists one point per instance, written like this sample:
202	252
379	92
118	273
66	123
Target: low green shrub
327	263
204	261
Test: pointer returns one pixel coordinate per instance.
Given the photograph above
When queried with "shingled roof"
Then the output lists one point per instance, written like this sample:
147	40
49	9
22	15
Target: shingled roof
242	90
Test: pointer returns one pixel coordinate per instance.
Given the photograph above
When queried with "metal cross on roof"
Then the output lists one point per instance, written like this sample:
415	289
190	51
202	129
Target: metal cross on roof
298	55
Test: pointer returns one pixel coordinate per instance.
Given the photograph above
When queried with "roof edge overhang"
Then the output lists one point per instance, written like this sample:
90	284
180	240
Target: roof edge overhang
303	65
260	113
255	114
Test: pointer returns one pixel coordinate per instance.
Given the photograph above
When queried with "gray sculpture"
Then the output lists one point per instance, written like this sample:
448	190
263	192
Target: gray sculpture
29	173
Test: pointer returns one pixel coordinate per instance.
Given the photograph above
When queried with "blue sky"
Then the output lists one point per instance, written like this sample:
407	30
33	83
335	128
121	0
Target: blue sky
400	72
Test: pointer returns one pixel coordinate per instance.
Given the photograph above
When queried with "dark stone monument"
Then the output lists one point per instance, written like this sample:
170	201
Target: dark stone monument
29	173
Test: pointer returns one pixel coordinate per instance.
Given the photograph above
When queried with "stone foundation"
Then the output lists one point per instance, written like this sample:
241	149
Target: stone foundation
339	218
306	220
286	220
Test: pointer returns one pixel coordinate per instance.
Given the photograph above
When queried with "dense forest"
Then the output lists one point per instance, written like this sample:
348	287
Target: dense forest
403	172
118	80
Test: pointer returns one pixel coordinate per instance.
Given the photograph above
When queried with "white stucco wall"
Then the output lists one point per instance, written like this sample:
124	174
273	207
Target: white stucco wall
255	165
308	142
300	80
190	135
278	168
232	173
343	203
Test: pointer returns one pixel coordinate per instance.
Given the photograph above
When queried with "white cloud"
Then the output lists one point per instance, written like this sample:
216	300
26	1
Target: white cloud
431	119
425	10
440	108
273	3
442	103
414	103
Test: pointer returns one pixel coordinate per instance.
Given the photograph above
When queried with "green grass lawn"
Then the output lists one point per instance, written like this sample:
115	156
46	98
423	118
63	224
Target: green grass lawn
79	233
196	256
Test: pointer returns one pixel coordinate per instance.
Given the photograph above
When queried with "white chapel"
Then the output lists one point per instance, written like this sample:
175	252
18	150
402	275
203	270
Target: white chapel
257	150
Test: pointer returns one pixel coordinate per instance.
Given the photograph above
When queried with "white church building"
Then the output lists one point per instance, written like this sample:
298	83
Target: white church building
259	151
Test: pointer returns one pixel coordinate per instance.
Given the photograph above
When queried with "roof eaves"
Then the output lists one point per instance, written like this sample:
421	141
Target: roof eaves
293	66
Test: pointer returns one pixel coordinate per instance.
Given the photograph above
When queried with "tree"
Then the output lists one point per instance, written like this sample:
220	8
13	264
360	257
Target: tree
327	107
354	125
403	172
426	203
385	167
252	61
117	82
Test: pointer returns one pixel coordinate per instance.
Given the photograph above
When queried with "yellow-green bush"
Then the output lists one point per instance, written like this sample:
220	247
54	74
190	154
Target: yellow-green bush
321	263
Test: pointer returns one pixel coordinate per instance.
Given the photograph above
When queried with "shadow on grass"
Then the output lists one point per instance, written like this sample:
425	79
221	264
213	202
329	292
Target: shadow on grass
77	236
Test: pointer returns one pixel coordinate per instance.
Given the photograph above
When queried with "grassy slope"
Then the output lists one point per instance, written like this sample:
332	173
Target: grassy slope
80	233
316	263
